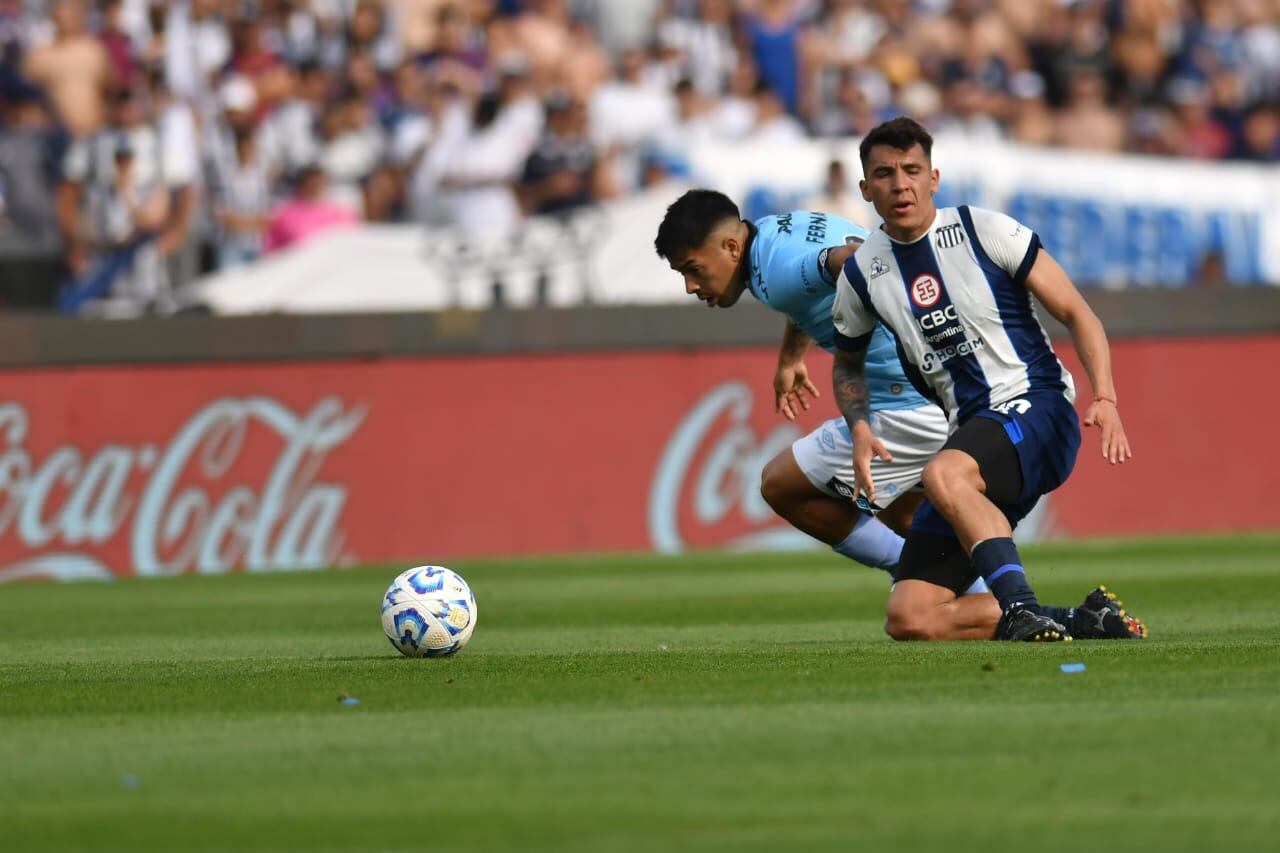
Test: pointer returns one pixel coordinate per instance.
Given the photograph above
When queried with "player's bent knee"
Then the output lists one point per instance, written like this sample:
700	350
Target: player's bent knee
935	480
943	477
909	623
777	482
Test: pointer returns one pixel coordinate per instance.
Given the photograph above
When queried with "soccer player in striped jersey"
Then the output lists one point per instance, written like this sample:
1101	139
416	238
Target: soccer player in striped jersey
953	286
790	263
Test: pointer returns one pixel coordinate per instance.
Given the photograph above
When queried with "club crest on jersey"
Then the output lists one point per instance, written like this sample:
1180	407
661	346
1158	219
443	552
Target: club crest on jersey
950	235
925	290
878	267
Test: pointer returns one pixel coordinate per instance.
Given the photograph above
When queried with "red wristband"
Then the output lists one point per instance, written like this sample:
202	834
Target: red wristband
1111	400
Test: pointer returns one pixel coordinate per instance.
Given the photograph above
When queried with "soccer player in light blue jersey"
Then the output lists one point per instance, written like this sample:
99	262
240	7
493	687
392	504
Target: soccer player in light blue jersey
790	263
954	286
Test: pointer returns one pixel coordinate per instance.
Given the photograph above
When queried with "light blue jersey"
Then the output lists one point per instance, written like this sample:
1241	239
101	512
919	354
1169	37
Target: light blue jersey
788	273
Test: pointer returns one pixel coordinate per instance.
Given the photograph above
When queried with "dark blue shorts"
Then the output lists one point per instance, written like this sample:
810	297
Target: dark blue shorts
1045	433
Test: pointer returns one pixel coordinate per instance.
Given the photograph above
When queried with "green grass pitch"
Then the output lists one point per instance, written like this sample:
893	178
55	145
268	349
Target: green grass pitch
710	702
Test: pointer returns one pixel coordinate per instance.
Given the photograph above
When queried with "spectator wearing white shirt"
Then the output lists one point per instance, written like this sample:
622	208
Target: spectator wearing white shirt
705	44
735	113
967	115
837	199
288	134
773	123
481	165
351	149
629	110
197	45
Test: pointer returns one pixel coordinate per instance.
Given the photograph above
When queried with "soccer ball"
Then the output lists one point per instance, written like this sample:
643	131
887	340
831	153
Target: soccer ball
428	612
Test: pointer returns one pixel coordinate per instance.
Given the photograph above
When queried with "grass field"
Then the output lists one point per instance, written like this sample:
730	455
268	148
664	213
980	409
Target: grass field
713	702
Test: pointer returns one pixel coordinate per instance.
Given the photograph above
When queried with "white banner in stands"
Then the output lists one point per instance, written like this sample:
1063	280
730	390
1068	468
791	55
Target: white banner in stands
602	255
1114	221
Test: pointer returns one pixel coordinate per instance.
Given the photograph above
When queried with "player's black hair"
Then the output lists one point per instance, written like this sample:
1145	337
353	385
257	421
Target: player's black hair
691	218
900	133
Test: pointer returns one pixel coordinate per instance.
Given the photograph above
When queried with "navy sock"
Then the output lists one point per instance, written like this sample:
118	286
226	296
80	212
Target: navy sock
1065	616
998	562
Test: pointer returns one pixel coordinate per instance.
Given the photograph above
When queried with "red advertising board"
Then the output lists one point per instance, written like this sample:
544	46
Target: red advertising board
161	470
1203	417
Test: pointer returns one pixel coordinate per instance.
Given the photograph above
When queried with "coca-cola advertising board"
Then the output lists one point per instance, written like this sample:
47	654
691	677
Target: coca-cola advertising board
108	472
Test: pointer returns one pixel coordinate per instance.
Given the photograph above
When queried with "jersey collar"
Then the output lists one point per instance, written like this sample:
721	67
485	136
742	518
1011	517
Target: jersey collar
926	233
749	256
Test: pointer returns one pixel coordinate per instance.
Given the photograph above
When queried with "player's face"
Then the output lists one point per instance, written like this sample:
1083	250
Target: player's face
900	185
711	270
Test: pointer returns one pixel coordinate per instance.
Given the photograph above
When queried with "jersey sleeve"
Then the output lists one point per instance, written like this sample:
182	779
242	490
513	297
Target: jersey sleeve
1009	244
853	320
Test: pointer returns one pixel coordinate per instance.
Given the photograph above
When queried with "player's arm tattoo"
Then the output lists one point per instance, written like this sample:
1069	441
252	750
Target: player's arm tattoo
849	381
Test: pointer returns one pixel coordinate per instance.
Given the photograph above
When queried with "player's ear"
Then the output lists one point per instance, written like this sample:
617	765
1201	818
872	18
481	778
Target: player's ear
866	193
732	247
933	180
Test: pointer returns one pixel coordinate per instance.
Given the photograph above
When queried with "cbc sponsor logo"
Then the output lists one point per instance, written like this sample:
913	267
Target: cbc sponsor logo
938	317
925	291
940	326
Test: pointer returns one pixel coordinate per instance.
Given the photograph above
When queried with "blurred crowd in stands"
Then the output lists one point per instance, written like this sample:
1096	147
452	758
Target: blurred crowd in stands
143	141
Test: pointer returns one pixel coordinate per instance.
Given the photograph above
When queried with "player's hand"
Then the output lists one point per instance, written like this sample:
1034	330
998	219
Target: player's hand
1115	444
865	446
792	389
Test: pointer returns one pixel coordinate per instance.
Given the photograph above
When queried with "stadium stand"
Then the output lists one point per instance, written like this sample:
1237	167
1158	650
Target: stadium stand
146	142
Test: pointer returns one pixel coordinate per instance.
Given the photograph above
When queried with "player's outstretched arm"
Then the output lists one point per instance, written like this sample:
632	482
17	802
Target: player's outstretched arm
849	381
791	381
1051	285
836	257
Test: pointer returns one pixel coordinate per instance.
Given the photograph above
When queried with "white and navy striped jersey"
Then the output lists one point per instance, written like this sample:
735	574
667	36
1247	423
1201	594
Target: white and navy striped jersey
957	303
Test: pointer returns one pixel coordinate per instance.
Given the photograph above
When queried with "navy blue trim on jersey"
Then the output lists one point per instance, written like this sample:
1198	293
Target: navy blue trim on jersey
823	272
859	283
1028	260
753	268
1013	301
858	344
972	390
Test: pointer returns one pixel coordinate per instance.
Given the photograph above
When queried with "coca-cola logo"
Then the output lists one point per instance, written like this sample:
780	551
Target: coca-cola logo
165	495
712	464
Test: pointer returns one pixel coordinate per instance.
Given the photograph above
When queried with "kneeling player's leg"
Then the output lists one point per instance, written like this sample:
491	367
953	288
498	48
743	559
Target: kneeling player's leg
835	521
897	517
925	603
971	483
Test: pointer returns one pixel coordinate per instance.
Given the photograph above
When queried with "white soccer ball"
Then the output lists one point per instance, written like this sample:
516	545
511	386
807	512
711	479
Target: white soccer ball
428	612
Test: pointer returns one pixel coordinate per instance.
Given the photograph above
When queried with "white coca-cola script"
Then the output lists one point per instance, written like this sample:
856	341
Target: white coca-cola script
288	520
728	477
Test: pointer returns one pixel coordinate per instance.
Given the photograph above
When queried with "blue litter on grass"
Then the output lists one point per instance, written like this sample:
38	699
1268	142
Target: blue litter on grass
348	700
1072	667
130	781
